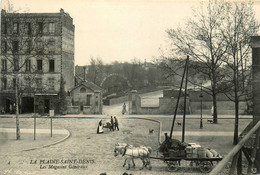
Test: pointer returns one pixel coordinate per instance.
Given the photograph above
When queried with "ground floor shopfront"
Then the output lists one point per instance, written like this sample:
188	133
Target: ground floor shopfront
28	103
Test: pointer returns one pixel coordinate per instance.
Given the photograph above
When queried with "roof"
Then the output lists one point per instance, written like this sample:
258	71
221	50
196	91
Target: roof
89	85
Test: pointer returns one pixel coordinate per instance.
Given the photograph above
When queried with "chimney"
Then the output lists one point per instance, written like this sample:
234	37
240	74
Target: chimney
84	68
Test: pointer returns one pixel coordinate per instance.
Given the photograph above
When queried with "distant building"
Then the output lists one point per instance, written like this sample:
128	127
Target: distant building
38	48
86	98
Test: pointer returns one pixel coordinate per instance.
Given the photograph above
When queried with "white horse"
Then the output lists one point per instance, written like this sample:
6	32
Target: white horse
131	153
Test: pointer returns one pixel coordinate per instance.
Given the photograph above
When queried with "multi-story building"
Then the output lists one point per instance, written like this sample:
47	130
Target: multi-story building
37	53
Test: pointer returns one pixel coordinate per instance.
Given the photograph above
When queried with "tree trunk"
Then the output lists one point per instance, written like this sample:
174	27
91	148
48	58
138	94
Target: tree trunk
215	114
17	109
235	141
214	95
235	71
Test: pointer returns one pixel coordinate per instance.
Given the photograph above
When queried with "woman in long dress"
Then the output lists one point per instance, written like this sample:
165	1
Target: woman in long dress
100	128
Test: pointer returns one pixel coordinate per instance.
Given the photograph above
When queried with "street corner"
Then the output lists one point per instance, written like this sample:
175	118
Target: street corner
29	140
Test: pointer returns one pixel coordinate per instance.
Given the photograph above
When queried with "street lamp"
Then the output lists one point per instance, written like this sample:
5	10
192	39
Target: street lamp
201	96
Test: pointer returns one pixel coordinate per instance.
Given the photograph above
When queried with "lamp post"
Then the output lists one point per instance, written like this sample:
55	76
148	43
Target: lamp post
201	96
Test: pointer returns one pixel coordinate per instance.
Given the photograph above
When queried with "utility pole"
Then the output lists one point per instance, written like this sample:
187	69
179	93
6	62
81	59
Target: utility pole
201	97
177	104
185	99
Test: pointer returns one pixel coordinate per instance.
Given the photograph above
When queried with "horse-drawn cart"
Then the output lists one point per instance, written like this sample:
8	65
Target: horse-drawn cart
204	164
174	151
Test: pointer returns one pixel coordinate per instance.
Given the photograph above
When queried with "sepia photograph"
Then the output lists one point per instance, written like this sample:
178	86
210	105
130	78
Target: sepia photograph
130	87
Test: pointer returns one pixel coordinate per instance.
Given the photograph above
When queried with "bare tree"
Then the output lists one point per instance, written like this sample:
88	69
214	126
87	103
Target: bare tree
21	40
200	38
238	26
95	70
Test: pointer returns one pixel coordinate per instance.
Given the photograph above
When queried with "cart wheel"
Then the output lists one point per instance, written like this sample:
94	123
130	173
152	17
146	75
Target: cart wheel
254	169
205	166
173	166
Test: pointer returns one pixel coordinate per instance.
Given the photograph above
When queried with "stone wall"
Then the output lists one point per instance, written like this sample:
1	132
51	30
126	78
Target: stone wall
193	104
73	110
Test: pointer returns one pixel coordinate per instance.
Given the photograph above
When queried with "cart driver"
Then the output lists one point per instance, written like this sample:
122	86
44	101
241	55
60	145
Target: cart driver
167	138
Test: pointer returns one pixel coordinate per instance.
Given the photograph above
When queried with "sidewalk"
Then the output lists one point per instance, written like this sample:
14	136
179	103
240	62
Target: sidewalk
9	145
39	131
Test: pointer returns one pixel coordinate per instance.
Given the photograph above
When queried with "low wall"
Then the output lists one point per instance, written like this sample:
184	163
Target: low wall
148	110
167	105
73	110
223	107
87	110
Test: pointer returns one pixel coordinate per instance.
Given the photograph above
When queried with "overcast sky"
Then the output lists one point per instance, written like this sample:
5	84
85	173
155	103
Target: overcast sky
118	29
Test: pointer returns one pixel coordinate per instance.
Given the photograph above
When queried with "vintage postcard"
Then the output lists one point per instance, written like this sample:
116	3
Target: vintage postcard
129	87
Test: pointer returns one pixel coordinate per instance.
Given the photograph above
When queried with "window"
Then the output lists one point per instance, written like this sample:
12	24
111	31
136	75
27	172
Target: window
15	46
16	28
40	27
39	46
28	28
51	65
51	83
38	82
16	64
39	65
88	100
51	28
28	46
14	83
4	29
28	65
4	47
82	90
4	65
51	42
4	83
51	46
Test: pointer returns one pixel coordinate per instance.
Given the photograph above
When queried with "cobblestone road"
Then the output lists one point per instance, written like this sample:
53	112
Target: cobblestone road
93	153
84	146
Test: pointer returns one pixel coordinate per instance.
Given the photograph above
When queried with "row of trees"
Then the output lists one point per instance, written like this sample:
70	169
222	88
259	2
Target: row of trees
136	74
217	37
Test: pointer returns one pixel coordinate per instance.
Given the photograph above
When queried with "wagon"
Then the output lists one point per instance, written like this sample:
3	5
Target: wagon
204	164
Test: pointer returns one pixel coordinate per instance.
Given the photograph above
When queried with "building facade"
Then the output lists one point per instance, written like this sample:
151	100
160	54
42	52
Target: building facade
86	98
37	56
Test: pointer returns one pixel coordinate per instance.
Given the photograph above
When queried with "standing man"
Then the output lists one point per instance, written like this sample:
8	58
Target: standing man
212	111
112	123
124	109
116	123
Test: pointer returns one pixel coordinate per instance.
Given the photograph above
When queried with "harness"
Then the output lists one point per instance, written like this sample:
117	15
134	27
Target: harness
124	151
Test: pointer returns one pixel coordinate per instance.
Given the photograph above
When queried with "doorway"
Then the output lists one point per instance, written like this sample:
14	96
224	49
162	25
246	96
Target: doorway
81	107
27	105
46	105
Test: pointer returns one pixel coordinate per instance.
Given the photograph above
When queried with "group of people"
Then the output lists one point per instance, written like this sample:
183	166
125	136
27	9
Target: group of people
113	125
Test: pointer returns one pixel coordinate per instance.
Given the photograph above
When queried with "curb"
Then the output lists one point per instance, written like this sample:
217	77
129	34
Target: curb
44	146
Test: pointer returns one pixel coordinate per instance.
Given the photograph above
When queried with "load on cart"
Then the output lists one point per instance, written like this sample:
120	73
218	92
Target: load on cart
174	151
